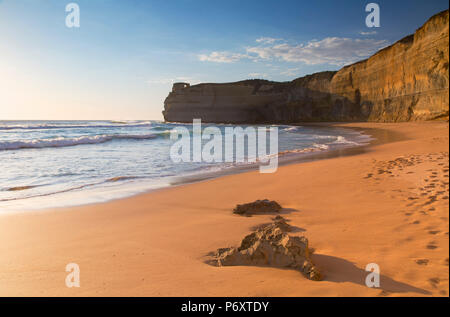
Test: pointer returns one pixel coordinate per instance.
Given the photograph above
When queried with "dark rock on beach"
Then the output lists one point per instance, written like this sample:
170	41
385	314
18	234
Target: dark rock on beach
270	245
264	206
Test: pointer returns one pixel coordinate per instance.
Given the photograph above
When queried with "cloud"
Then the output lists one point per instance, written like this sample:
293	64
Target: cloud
267	40
222	57
368	33
331	50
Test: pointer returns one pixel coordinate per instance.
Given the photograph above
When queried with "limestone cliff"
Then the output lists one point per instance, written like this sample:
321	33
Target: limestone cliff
406	81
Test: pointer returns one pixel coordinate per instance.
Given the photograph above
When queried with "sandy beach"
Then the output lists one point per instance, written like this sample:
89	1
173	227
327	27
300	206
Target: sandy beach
387	205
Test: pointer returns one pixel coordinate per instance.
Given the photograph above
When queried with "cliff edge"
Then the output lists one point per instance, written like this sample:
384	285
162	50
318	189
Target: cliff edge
406	81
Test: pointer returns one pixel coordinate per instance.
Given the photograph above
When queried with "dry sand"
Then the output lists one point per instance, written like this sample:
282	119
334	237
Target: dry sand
388	205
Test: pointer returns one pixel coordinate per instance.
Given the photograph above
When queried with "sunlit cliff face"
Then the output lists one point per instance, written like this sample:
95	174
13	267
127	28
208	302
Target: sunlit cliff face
406	81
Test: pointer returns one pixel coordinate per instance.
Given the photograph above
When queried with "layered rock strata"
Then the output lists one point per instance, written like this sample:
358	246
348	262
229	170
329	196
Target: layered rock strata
406	81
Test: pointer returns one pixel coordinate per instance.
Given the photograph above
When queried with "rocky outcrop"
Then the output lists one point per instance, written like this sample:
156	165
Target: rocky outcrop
270	245
406	81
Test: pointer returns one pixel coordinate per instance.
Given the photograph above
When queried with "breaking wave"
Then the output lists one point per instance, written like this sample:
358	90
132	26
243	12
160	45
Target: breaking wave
65	142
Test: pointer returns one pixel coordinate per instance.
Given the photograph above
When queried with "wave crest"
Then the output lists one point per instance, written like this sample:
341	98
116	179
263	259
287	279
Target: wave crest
64	142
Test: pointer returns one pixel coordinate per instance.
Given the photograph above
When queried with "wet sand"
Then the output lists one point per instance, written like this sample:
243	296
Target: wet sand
386	204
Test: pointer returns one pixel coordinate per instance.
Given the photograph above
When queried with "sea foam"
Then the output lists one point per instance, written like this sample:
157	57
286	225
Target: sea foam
64	142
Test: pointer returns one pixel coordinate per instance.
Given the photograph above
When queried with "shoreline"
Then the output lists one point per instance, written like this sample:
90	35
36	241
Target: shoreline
377	136
154	244
128	190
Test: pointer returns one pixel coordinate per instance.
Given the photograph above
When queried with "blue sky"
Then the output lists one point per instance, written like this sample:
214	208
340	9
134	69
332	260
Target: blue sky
121	62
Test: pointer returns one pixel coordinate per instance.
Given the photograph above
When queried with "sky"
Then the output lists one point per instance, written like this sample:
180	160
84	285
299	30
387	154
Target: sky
121	62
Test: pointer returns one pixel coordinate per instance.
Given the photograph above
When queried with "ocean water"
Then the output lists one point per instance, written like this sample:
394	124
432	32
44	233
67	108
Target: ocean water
46	164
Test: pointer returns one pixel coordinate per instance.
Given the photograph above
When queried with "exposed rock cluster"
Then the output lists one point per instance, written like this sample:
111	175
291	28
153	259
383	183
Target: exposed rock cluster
257	207
270	245
406	81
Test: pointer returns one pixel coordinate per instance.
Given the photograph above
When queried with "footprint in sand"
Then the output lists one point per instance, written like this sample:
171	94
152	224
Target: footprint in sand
431	199
433	232
422	261
383	293
431	246
434	281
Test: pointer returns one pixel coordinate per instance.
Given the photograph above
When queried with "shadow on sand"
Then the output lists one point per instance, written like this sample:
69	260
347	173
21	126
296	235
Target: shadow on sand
339	271
282	212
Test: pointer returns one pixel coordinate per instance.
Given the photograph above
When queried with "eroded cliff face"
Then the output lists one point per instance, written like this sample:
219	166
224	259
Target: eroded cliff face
406	81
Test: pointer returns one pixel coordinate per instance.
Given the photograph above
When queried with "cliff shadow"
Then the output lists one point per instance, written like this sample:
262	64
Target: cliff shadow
303	104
